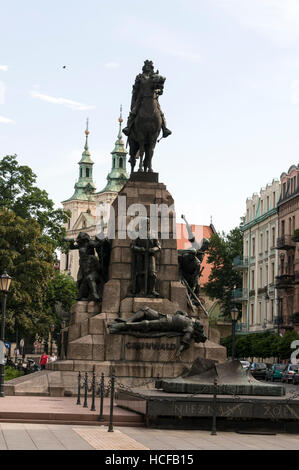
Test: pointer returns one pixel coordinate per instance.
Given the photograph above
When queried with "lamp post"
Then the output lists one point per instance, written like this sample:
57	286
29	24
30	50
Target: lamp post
5	281
235	315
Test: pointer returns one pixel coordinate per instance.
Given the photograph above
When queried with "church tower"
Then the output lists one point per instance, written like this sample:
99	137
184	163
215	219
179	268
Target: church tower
116	180
81	205
90	210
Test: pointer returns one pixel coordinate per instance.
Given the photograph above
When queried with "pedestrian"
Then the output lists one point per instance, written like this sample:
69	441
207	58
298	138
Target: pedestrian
43	361
53	357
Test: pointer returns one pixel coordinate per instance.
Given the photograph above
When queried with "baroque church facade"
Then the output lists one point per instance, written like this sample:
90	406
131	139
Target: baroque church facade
90	210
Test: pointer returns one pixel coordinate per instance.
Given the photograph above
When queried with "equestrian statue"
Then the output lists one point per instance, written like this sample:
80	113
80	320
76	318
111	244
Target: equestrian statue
146	119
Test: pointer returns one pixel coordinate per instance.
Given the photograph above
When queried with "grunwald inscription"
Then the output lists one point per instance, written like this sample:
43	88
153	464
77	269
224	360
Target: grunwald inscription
153	346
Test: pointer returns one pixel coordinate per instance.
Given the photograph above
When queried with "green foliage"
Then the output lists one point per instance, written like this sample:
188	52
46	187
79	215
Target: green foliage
29	261
11	373
61	289
223	279
61	294
31	229
262	345
284	346
19	194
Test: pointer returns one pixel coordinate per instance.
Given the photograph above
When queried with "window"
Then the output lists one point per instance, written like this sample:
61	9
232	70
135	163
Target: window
267	241
251	314
267	275
284	189
271	310
113	162
87	172
261	277
261	243
273	237
282	227
246	248
294	224
262	207
120	163
247	215
253	211
252	280
66	261
253	246
259	316
268	203
80	172
274	199
272	272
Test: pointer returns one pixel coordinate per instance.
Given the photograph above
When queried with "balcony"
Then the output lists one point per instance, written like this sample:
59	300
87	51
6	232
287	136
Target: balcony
285	242
240	263
284	281
238	295
262	290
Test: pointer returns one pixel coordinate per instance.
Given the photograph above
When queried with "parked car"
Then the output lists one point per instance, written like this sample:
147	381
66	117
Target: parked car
245	364
291	374
275	372
258	370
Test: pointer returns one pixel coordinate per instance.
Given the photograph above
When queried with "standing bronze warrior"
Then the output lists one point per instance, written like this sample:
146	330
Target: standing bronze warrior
146	119
92	272
144	267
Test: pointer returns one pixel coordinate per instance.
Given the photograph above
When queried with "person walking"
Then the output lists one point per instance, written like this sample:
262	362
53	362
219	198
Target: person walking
43	361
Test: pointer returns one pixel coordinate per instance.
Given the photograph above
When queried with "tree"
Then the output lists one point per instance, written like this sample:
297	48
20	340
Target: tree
19	193
223	278
30	262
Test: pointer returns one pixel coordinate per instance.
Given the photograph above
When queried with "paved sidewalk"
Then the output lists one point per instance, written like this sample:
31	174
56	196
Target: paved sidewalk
16	436
62	410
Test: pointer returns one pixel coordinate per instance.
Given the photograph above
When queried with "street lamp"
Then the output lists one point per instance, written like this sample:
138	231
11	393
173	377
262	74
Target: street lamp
5	281
235	315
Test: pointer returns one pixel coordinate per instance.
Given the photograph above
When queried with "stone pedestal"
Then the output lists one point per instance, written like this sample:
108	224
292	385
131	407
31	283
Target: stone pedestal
134	360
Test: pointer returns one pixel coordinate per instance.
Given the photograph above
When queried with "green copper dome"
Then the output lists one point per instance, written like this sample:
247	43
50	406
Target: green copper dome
118	175
85	187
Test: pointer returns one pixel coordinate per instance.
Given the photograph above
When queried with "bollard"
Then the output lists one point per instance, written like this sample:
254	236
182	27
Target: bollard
79	389
93	390
214	433
110	428
102	393
85	390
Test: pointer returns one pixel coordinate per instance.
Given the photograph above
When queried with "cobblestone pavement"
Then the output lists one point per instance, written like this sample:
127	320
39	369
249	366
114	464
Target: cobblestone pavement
16	436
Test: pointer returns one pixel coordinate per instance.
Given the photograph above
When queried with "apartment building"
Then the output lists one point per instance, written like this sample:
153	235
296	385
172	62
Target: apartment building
259	264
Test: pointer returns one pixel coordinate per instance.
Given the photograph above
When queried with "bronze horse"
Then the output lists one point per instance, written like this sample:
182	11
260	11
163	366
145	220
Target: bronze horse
146	126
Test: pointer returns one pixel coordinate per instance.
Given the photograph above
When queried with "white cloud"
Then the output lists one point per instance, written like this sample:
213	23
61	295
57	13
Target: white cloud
5	120
112	65
75	105
3	68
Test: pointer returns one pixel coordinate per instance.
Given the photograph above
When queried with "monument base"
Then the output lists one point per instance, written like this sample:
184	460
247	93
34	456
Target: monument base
184	411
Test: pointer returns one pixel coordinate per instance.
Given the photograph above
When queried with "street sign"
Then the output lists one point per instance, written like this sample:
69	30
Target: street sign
2	353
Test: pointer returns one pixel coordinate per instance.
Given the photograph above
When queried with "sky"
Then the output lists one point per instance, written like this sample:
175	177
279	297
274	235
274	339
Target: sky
231	95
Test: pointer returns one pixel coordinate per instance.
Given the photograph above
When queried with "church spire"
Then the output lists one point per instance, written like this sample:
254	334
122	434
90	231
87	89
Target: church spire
118	175
85	187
